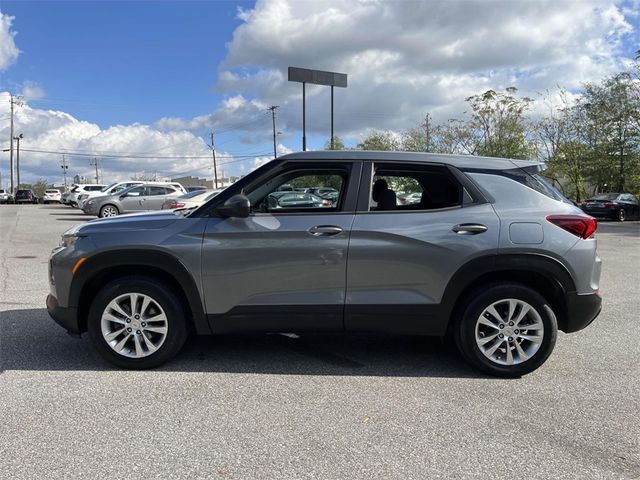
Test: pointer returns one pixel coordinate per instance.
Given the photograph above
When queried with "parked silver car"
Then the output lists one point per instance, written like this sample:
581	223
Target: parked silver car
138	198
491	256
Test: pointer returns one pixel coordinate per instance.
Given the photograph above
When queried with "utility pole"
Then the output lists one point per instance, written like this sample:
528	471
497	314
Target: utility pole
273	108
64	167
17	139
427	131
215	168
96	163
14	101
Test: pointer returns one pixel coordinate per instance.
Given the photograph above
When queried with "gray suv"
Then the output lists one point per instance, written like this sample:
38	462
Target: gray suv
491	257
136	198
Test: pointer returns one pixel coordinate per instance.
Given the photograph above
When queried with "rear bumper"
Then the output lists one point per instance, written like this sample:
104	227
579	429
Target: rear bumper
66	317
581	311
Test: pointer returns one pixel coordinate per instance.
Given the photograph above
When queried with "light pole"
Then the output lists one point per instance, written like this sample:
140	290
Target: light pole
17	139
64	167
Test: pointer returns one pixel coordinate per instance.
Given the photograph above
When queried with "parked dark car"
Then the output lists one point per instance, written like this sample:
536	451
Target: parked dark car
26	196
618	206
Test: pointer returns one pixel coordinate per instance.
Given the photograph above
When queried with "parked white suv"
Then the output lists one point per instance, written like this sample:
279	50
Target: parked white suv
52	195
79	189
119	187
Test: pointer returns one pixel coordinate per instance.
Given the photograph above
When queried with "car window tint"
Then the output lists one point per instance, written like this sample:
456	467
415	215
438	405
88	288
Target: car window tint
402	188
300	191
136	192
152	191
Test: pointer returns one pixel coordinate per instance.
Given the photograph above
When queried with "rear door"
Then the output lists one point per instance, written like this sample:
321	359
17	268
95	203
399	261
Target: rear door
281	268
402	256
155	197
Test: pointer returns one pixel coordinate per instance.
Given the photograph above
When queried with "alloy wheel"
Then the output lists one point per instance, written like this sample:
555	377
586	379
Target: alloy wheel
509	331
134	325
109	211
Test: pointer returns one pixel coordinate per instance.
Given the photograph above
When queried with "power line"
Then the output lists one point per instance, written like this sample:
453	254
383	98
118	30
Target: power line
149	157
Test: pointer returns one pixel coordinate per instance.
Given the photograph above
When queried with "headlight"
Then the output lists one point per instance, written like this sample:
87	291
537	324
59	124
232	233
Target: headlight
69	240
71	236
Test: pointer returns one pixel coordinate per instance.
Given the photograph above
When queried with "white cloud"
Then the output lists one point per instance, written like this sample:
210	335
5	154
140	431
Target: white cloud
405	59
8	50
169	153
32	91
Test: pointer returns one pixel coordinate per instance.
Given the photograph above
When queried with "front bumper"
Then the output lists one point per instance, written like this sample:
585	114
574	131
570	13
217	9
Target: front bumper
581	311
66	317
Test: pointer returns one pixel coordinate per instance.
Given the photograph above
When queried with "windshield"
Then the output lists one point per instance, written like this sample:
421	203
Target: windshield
109	187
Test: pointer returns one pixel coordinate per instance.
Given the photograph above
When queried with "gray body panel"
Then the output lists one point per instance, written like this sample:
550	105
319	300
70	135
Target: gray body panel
272	260
409	258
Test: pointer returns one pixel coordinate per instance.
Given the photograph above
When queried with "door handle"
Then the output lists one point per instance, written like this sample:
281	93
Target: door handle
324	230
469	228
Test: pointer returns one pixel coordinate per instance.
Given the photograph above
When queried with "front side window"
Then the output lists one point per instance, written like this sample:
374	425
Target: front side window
408	187
301	190
136	192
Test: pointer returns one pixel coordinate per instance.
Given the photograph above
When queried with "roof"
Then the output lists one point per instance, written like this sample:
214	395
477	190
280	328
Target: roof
459	161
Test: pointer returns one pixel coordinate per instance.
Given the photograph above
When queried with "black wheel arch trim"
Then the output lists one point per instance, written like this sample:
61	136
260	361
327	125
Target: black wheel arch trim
170	265
467	275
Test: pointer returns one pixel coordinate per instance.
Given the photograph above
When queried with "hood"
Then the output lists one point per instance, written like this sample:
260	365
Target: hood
134	221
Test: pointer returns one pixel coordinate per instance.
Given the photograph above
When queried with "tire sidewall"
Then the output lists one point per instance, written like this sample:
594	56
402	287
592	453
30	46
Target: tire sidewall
622	215
176	322
467	324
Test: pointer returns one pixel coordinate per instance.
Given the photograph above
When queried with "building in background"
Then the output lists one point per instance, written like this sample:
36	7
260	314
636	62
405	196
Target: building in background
203	182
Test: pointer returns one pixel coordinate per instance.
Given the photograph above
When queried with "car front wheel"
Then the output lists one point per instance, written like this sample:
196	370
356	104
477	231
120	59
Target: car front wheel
109	211
507	330
137	323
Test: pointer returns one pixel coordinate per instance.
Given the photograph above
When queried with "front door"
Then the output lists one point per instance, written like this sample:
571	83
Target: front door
284	267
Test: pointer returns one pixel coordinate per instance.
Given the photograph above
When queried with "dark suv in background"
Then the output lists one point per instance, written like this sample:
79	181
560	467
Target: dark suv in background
490	256
26	196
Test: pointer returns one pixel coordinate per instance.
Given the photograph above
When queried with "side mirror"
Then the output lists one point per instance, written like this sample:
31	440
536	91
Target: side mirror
236	206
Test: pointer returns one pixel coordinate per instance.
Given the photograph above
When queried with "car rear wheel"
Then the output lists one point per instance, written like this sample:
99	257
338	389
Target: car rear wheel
109	211
622	215
507	330
137	323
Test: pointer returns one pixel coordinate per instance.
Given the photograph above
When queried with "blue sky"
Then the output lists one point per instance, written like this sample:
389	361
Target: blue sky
122	62
144	82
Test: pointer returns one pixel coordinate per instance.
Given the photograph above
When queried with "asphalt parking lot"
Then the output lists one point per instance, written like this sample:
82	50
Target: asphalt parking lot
326	406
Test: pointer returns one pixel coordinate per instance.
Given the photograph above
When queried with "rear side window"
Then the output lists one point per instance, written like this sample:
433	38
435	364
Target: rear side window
401	187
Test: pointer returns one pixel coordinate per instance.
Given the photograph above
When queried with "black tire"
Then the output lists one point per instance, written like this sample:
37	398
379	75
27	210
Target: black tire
465	329
101	213
622	215
176	333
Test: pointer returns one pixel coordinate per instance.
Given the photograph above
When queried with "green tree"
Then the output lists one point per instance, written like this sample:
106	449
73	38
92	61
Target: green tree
377	140
39	187
338	144
561	144
612	113
497	125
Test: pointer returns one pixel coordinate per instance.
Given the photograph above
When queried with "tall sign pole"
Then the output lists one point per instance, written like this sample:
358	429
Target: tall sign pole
317	77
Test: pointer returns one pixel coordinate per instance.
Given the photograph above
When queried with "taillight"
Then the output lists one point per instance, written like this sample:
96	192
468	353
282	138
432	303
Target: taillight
580	226
610	204
175	204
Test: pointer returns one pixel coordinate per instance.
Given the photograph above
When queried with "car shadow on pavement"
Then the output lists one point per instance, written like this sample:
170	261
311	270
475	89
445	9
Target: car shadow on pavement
30	340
